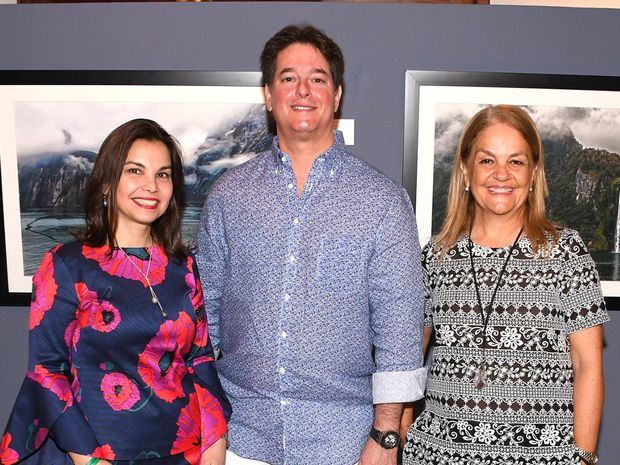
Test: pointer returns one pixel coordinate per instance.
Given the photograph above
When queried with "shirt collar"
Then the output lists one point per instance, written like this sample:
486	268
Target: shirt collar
333	158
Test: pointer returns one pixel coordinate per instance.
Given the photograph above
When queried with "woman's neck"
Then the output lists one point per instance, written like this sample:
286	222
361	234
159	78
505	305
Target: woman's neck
135	237
495	233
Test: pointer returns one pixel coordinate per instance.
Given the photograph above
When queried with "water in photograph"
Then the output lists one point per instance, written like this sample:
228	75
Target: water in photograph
42	229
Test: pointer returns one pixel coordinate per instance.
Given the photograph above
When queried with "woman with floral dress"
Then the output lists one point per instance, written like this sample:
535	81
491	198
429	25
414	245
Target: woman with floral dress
121	369
517	310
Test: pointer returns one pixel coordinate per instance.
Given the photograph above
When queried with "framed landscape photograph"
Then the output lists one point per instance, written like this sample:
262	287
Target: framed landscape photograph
578	118
52	124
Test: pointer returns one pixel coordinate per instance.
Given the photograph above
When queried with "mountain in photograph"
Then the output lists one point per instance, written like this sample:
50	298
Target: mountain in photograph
231	144
57	180
54	179
583	185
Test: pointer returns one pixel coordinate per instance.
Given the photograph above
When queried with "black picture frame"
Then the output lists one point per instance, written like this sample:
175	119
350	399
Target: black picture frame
424	89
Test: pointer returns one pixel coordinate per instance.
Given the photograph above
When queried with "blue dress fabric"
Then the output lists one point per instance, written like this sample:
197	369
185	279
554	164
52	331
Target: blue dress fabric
110	374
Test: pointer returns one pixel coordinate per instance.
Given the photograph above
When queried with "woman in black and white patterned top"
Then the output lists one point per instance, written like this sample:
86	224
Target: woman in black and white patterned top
517	310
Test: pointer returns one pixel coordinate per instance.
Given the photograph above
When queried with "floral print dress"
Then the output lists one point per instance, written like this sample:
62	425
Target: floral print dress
524	413
109	375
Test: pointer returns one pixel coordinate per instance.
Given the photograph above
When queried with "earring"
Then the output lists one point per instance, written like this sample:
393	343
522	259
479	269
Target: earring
466	188
531	188
105	200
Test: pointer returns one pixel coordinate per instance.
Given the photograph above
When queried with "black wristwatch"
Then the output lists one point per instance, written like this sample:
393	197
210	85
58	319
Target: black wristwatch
386	439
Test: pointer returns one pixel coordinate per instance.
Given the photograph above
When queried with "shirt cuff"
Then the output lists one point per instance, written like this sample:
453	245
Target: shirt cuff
397	387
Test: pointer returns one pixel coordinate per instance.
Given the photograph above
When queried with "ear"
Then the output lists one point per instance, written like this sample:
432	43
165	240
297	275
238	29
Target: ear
337	98
464	170
267	96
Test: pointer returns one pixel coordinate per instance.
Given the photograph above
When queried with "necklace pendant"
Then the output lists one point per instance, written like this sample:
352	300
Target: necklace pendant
480	377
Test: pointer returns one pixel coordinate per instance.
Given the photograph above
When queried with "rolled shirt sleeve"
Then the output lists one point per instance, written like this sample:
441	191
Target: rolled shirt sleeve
396	300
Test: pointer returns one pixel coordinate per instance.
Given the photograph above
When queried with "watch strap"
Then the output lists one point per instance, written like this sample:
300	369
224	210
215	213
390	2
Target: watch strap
379	437
590	457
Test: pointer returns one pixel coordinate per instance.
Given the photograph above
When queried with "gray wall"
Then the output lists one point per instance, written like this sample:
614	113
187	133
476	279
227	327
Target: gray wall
380	42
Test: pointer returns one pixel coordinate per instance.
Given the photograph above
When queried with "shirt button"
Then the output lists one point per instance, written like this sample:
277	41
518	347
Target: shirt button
284	402
281	370
287	297
292	259
283	334
290	185
296	221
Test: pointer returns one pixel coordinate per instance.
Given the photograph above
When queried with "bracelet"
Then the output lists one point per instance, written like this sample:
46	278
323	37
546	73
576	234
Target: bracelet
590	457
93	461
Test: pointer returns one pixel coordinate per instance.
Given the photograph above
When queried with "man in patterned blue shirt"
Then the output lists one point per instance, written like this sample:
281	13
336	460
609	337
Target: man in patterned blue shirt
310	266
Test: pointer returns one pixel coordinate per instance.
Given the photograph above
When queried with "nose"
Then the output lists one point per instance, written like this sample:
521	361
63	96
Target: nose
303	90
501	172
150	184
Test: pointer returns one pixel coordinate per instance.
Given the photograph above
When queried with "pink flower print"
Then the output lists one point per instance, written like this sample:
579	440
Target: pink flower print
194	285
76	388
40	435
119	391
104	452
161	364
72	334
212	420
188	431
117	264
101	316
44	291
55	382
8	456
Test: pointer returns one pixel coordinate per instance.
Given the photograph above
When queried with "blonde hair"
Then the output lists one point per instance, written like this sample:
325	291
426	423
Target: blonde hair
460	209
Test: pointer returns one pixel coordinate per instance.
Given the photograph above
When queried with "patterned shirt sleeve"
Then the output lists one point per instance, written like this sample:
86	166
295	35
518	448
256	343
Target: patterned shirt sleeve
212	257
213	404
396	302
581	295
46	400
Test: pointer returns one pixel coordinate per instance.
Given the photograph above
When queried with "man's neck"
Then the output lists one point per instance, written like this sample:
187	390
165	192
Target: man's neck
303	152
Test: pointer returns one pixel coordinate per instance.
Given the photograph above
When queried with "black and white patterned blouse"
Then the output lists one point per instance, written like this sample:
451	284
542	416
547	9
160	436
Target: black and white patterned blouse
524	413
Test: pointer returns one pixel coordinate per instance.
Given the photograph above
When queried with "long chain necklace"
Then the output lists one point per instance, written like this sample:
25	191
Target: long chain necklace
154	297
480	376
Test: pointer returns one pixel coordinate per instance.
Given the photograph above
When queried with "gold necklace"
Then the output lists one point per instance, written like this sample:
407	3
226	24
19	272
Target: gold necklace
154	297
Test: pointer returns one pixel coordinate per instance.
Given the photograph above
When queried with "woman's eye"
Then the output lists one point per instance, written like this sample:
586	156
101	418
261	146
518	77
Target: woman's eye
133	170
486	161
163	174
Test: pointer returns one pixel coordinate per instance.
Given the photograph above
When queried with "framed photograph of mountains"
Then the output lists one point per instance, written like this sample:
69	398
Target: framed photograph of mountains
52	124
578	118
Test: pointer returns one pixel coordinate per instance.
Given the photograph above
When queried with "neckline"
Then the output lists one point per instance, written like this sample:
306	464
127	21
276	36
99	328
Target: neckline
465	238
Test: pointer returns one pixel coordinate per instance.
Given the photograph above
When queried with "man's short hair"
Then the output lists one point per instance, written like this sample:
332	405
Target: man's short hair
302	34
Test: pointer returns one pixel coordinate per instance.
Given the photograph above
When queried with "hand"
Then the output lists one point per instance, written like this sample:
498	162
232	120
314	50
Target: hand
79	459
374	454
215	454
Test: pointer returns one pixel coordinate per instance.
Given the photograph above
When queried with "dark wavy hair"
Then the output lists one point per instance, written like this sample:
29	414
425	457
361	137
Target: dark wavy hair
101	221
302	34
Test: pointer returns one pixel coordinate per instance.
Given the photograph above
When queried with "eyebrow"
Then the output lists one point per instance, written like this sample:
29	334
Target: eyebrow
290	69
131	162
490	153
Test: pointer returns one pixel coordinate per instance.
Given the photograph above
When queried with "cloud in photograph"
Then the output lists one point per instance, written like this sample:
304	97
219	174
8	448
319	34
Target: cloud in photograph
44	127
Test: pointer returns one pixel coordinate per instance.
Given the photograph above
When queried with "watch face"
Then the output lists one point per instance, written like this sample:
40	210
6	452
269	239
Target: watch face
390	440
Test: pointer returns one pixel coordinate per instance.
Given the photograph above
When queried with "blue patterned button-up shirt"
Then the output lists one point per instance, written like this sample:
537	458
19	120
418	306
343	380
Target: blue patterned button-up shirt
298	290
